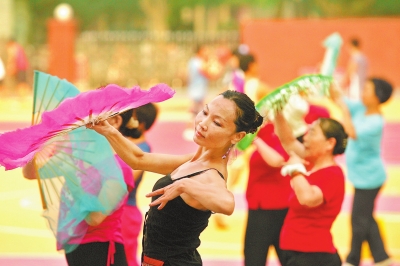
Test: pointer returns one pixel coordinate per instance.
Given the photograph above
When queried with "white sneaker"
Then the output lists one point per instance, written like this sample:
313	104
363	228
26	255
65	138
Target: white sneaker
386	262
347	264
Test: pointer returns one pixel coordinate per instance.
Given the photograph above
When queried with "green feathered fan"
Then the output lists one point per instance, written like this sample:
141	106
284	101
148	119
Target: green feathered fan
307	85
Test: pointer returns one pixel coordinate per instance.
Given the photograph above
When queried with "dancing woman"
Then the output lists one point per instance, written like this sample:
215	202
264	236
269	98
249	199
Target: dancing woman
317	192
194	186
364	123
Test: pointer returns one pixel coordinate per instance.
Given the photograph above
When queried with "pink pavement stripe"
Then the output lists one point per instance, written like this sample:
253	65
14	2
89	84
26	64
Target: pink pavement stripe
166	137
383	203
32	261
37	261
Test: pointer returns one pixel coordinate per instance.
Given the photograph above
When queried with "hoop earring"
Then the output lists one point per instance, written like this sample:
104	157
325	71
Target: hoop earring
227	152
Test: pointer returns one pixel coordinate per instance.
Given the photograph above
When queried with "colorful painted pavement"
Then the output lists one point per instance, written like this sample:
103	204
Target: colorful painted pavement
26	239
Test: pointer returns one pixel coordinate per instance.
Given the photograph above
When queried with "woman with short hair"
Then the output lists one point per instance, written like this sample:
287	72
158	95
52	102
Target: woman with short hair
317	192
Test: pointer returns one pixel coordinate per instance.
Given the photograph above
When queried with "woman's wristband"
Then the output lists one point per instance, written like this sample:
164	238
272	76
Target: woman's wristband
293	169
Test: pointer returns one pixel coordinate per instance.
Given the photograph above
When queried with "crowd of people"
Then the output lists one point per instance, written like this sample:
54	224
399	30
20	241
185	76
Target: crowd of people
295	187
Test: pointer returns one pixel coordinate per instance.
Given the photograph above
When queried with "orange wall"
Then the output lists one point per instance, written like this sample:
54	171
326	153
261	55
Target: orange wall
61	43
284	47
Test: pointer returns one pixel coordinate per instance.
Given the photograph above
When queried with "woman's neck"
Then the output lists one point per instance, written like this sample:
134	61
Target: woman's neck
322	162
372	109
209	156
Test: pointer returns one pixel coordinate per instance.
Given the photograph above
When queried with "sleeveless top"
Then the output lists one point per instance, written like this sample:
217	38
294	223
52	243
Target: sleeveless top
172	233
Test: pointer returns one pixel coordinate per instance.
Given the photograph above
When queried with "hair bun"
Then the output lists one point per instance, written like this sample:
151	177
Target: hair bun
132	123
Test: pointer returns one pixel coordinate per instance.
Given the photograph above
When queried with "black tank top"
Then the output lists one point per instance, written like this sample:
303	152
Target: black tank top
172	233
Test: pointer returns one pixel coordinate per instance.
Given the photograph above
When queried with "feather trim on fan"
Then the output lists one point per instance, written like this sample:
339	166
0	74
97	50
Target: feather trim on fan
307	85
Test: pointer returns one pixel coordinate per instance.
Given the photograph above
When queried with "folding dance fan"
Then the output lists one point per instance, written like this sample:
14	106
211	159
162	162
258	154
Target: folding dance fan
18	147
268	106
78	173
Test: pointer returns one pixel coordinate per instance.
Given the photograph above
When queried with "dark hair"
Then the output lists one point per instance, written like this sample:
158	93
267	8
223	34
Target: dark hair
245	61
145	114
236	53
198	47
355	42
383	89
333	129
248	119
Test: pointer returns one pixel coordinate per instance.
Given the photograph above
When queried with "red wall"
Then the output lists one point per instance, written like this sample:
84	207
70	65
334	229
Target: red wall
284	47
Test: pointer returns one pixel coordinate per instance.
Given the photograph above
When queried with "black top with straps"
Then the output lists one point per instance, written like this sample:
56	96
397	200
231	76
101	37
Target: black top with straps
172	233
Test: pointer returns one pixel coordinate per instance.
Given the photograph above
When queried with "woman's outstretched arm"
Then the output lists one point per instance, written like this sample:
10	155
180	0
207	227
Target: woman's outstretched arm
132	155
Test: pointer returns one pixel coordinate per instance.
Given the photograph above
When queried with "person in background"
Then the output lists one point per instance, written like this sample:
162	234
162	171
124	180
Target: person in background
253	87
199	75
2	71
234	78
364	123
194	185
317	192
267	196
357	70
137	122
17	66
102	244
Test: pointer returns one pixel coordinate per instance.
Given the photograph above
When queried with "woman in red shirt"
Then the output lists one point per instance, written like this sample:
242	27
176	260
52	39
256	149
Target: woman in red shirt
267	196
317	192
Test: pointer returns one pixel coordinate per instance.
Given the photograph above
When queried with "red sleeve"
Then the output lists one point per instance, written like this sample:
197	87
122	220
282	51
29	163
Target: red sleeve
331	182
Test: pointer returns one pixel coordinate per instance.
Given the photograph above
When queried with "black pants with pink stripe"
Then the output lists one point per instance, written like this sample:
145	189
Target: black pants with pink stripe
96	254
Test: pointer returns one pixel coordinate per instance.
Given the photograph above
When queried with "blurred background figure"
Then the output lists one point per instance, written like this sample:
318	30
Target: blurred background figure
202	67
17	65
234	78
364	123
357	70
318	186
267	196
137	121
2	75
253	86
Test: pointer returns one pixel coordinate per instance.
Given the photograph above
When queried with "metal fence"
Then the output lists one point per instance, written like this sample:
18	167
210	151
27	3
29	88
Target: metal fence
143	58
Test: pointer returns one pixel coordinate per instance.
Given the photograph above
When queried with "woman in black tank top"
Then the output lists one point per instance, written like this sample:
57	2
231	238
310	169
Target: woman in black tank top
194	185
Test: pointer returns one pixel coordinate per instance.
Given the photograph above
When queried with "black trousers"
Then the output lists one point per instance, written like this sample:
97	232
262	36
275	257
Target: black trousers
364	227
96	253
295	258
262	231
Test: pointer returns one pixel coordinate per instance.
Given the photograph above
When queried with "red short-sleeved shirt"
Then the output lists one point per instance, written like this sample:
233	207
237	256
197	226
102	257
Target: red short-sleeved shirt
266	187
309	229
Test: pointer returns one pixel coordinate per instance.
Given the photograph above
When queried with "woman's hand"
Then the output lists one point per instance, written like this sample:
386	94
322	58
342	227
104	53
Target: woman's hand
104	128
167	193
336	93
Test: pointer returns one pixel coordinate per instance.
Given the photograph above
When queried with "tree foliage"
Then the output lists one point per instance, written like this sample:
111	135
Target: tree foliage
169	14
